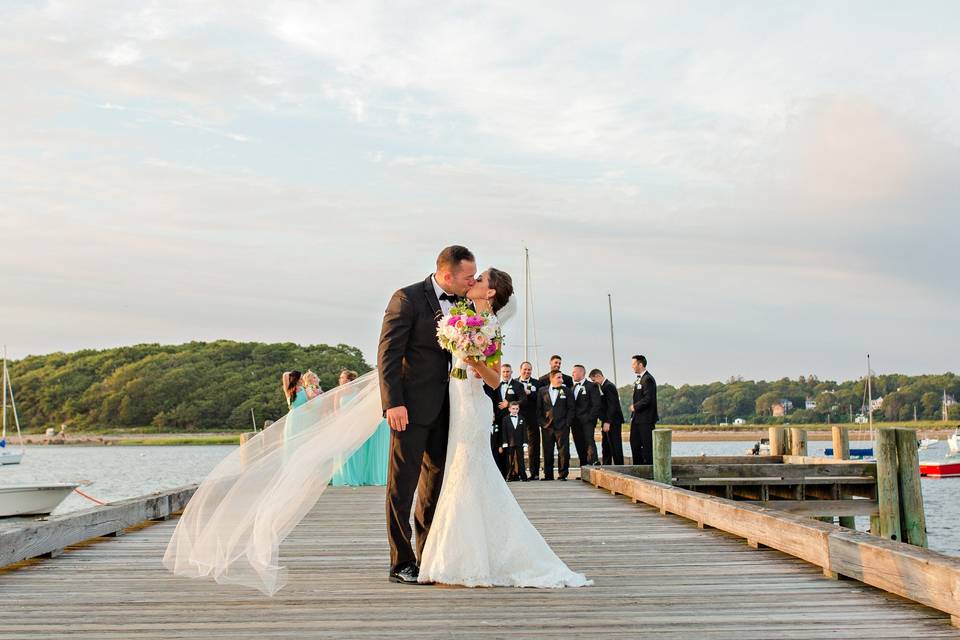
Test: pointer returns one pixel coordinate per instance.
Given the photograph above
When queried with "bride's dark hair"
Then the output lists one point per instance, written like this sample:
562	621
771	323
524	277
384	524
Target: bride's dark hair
502	283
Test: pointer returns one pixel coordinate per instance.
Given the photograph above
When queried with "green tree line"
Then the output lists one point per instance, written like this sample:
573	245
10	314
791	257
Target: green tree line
199	386
835	401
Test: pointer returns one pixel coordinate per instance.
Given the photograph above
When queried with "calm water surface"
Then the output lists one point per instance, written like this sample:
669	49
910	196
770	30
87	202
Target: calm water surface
114	473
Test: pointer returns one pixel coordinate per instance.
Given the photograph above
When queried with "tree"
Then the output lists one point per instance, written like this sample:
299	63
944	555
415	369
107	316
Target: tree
764	403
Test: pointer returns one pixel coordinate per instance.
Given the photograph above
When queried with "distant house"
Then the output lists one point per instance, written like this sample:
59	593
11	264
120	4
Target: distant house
876	404
781	408
860	419
809	404
949	401
739	421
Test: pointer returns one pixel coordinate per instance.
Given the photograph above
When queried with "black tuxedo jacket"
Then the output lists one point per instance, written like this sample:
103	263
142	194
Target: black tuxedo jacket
414	371
544	380
645	400
588	405
611	410
528	408
558	415
514	392
510	436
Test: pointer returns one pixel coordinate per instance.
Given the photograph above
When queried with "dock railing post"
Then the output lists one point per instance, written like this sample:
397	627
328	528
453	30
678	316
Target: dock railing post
778	445
662	464
913	519
841	443
888	480
841	451
798	441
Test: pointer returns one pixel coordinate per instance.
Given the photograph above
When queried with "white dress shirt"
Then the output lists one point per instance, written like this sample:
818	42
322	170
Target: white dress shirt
445	305
553	395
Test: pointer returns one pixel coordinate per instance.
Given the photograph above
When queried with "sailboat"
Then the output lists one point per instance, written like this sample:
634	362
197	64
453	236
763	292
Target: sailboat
863	452
9	455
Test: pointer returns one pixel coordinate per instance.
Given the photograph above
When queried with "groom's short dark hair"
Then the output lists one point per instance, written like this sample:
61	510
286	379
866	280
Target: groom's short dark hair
641	359
451	257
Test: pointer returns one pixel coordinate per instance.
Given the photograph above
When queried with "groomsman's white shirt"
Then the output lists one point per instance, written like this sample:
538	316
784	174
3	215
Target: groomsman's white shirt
503	389
577	388
553	395
445	305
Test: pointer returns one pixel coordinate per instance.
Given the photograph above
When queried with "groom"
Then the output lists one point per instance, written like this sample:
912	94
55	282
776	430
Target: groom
414	378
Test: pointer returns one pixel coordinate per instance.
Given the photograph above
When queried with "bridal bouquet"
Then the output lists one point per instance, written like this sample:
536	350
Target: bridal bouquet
468	334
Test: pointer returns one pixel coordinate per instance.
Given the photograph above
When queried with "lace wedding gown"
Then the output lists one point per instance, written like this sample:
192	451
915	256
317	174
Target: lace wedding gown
480	536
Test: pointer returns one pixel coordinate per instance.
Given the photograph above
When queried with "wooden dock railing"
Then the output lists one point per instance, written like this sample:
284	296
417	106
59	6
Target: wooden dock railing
921	575
50	536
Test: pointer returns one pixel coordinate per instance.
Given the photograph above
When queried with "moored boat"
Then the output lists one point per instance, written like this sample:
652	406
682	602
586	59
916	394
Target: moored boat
940	469
32	499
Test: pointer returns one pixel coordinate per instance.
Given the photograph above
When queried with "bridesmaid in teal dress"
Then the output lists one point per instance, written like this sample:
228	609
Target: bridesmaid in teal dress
368	465
296	396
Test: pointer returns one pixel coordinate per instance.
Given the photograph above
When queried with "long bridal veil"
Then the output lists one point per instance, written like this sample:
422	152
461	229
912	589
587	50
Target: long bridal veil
232	527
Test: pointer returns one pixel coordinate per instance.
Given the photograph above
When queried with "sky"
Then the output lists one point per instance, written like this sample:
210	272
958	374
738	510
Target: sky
764	189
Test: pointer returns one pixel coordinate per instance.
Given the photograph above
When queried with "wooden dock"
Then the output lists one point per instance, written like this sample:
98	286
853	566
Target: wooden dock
657	576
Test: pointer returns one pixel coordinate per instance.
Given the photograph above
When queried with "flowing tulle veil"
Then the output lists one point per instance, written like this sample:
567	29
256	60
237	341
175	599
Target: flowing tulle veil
232	528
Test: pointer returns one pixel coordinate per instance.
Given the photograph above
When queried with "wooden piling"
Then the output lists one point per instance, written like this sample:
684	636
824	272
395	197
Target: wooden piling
662	445
778	445
913	519
888	494
798	441
841	443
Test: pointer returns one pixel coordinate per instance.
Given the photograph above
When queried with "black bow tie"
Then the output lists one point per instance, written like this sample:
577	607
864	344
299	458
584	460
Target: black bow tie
453	299
555	388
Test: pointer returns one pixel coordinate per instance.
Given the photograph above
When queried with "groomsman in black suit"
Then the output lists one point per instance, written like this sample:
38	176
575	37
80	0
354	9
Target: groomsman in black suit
508	391
528	409
586	412
611	418
644	414
554	412
513	432
555	362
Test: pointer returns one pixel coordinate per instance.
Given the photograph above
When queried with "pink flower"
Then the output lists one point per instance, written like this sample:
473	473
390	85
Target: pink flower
453	320
474	321
490	350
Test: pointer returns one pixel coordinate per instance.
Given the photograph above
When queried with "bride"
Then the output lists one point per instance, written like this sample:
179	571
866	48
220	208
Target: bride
480	535
233	526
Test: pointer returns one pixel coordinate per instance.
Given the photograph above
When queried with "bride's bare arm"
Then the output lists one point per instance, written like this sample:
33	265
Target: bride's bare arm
491	376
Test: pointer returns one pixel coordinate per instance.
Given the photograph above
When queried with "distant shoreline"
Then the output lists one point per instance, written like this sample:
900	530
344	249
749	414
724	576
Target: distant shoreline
681	433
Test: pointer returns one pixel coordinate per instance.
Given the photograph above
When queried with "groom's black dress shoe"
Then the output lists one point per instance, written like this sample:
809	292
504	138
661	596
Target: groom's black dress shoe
407	574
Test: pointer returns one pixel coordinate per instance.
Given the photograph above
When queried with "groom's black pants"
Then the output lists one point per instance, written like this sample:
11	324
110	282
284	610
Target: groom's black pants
417	456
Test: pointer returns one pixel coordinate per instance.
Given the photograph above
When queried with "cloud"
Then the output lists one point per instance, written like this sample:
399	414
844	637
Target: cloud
759	188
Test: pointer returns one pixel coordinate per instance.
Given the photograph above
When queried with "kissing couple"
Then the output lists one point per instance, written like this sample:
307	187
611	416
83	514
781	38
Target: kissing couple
470	530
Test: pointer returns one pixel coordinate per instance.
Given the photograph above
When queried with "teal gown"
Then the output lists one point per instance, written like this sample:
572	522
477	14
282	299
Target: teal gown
367	466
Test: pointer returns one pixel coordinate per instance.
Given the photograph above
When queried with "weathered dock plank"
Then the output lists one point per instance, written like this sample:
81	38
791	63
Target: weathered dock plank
655	576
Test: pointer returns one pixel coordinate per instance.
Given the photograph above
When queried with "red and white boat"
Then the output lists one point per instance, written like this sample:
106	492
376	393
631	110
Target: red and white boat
940	469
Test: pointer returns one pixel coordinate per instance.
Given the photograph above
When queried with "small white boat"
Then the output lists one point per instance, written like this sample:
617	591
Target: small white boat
11	456
32	499
926	443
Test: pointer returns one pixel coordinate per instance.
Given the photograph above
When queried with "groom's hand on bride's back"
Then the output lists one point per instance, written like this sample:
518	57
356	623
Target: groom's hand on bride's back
397	418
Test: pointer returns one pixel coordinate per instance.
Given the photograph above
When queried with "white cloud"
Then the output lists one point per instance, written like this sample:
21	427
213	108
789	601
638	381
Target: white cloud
782	174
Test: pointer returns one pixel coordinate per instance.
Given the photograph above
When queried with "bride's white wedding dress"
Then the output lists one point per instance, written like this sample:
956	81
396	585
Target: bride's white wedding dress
480	536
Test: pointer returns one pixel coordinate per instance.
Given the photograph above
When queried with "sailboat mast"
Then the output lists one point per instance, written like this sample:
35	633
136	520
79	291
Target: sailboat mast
526	304
946	412
869	397
613	347
4	392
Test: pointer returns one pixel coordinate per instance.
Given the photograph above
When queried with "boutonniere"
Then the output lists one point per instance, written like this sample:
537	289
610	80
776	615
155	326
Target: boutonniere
639	385
563	394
